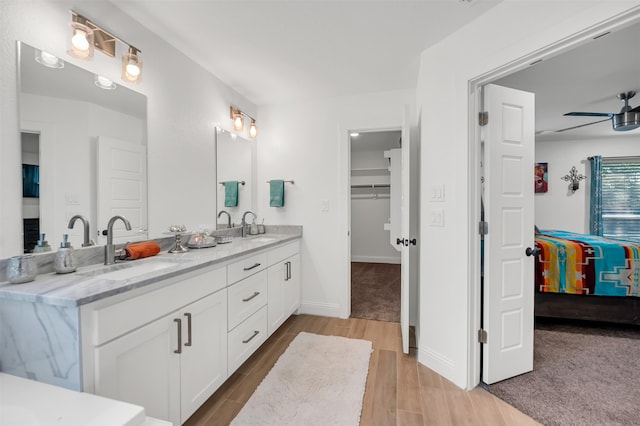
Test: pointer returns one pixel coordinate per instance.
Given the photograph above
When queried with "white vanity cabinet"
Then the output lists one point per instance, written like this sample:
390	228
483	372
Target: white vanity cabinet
165	350
284	284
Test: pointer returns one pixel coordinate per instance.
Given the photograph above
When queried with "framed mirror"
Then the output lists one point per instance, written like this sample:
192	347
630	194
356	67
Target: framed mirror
235	162
84	149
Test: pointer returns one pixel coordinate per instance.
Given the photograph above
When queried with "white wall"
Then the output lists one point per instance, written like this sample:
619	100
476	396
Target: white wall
559	208
184	101
309	142
371	209
449	314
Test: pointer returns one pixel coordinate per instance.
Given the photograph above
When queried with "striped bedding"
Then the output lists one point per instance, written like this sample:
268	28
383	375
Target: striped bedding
586	264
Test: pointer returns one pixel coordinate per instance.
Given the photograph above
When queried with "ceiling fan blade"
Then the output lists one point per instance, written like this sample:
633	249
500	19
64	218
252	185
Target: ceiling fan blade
589	114
582	125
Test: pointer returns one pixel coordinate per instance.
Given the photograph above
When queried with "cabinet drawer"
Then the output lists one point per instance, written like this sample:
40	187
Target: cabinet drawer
278	254
115	320
246	338
246	297
246	267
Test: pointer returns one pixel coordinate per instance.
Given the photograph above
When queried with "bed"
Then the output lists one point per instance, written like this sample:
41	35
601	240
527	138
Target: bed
587	277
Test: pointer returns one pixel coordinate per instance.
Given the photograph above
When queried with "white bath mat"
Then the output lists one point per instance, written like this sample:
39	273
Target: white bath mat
318	380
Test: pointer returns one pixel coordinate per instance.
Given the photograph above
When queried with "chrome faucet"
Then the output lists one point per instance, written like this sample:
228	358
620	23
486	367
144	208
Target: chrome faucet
244	222
87	242
110	248
228	216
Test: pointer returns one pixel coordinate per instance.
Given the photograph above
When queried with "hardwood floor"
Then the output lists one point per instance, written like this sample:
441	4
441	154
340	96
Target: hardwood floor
399	390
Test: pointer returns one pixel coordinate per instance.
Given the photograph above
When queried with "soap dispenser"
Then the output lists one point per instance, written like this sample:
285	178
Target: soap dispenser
65	260
41	245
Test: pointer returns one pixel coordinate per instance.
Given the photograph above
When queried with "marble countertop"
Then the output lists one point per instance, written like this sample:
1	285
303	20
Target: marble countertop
87	284
27	402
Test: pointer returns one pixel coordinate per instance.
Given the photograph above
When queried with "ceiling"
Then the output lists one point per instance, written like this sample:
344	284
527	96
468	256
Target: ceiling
586	78
278	51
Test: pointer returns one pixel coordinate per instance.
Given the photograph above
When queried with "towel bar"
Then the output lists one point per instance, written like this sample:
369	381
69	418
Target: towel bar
241	182
288	181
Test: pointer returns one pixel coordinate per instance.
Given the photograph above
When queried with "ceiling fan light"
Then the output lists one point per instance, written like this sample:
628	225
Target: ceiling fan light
626	121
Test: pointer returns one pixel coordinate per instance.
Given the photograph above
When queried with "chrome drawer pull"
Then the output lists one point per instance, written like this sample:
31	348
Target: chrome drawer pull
255	333
179	321
188	315
256	294
252	267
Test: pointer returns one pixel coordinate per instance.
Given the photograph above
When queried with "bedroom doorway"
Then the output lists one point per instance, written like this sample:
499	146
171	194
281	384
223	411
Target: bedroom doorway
605	29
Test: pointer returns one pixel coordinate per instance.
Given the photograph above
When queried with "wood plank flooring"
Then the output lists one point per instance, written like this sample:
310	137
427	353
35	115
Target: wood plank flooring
399	390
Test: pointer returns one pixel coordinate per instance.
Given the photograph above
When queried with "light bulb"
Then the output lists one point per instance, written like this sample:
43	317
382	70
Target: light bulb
48	60
133	70
238	123
104	82
79	40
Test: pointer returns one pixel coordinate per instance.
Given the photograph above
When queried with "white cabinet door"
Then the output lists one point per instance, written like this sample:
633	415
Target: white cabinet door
276	297
203	360
292	286
142	368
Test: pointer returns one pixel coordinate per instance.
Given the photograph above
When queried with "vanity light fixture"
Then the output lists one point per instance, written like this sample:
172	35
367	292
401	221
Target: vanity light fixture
238	119
87	36
132	66
253	129
237	116
104	82
47	59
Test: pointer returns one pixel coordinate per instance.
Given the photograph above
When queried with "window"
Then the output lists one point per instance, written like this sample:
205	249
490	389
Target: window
621	198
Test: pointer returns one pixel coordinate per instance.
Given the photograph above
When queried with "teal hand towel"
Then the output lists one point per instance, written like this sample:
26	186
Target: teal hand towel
276	193
231	193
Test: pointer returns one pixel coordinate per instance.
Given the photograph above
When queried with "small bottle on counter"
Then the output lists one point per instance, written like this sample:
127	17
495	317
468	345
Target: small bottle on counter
41	245
65	260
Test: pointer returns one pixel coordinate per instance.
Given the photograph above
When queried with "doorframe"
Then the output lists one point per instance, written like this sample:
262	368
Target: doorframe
345	186
474	157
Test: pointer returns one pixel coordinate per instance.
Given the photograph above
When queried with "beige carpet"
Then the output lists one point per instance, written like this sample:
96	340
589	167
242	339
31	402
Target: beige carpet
375	291
318	380
583	375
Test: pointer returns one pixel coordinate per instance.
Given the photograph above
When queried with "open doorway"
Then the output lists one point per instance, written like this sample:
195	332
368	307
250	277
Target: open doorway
30	189
375	258
561	143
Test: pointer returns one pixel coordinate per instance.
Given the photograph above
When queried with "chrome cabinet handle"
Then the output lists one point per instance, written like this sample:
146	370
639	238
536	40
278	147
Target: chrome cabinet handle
188	315
256	294
255	333
179	321
252	267
289	269
286	271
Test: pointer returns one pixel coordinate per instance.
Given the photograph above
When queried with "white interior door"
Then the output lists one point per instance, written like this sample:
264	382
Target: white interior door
405	227
122	188
509	211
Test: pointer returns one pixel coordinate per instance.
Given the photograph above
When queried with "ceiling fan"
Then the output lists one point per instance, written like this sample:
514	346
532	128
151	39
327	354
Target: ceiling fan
627	119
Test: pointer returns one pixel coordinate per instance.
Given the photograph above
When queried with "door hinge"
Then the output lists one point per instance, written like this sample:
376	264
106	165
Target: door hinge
483	118
482	336
483	228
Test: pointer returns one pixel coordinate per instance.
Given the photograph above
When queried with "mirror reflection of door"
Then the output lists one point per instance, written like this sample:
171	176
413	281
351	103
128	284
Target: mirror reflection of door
30	189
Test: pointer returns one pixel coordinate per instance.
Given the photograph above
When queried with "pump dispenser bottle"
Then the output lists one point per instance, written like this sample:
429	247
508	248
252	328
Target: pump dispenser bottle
41	245
65	260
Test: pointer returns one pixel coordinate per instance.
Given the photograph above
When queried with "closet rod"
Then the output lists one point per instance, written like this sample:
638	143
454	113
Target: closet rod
373	185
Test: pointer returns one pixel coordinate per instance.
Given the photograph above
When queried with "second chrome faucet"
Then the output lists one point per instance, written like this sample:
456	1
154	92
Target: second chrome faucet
110	248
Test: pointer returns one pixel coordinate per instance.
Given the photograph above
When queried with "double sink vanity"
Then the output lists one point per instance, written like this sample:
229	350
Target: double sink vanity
162	332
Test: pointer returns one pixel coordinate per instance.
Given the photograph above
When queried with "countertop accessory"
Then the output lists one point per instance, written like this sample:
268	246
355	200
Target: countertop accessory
224	239
141	250
65	258
254	228
22	269
261	229
41	245
201	240
178	231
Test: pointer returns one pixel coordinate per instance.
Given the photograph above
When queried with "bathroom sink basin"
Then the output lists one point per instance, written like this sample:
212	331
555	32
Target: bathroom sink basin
124	271
262	239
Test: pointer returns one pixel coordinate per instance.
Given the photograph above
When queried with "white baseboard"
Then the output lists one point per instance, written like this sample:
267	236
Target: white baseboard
320	309
440	364
375	259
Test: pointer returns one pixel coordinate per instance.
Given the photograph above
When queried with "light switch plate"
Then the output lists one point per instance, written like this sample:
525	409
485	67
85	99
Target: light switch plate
324	205
437	193
436	217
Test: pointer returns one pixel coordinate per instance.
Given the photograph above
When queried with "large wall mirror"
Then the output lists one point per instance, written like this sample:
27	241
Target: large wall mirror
236	162
83	152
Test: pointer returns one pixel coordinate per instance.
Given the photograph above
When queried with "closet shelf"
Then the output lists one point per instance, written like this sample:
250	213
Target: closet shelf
382	171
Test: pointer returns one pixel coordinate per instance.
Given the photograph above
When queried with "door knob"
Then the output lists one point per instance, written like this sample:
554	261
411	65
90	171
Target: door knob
532	252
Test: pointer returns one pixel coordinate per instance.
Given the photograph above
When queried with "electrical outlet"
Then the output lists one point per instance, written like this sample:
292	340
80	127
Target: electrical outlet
324	205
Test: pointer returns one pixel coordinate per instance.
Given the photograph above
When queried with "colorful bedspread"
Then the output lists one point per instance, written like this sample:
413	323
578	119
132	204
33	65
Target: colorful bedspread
586	264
